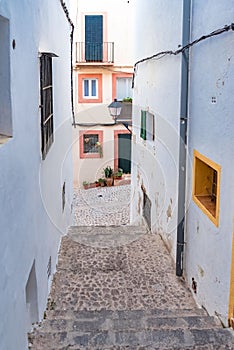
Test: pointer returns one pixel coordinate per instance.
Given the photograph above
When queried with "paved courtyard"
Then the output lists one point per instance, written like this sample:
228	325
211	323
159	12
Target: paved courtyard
102	206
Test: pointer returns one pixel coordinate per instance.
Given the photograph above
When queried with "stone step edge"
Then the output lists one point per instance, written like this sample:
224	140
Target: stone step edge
129	228
169	338
126	313
108	324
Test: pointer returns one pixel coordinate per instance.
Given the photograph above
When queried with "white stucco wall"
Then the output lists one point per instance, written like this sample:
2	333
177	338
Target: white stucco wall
157	89
208	250
155	165
31	216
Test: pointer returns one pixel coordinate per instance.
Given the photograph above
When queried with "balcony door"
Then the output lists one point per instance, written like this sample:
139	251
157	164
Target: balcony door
94	38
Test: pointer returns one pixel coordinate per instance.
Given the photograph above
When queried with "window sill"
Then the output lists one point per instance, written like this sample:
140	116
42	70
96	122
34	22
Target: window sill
4	139
90	155
208	207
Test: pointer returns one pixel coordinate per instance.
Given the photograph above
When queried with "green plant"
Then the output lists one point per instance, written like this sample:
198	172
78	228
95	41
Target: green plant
108	171
102	181
85	183
120	172
127	99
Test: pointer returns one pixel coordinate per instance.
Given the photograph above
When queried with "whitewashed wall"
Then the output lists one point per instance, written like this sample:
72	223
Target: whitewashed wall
157	89
211	128
155	165
31	216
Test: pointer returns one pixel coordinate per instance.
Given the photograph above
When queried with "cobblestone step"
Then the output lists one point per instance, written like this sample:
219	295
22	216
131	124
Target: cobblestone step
125	314
106	236
108	324
162	339
165	329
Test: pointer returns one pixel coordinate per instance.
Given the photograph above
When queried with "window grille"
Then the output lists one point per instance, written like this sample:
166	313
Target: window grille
49	267
90	143
47	124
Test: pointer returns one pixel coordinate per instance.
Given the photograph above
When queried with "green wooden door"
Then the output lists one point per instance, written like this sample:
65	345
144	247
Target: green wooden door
124	152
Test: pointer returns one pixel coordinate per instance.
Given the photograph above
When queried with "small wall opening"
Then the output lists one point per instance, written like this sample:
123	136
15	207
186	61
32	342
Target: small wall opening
63	196
31	297
146	208
5	91
206	186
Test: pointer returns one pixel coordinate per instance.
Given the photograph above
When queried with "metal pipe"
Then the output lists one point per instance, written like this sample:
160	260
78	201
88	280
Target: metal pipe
183	138
65	10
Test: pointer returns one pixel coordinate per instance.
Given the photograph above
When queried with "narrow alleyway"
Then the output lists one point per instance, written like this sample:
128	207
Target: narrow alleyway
115	288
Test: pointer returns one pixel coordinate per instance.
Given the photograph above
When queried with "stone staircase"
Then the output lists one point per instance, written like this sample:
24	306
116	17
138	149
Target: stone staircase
132	330
115	289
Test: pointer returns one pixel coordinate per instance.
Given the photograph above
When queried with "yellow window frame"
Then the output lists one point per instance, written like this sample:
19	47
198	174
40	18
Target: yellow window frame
202	168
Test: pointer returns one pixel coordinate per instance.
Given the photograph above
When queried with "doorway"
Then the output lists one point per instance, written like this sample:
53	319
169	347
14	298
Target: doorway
31	298
123	150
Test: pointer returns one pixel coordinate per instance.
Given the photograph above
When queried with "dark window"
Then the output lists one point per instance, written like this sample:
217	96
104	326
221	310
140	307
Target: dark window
146	208
90	143
49	267
143	125
5	81
63	196
47	125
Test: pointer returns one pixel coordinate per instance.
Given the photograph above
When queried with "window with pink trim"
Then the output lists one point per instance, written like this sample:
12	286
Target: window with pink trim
91	144
90	88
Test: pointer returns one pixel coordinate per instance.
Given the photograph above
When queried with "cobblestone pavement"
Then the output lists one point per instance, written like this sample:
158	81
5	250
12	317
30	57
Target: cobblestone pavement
115	288
138	275
102	206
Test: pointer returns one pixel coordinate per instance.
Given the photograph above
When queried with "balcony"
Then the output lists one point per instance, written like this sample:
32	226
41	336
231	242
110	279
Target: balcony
126	113
94	53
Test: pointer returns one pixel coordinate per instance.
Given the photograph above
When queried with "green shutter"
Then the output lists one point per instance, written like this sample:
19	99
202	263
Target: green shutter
143	125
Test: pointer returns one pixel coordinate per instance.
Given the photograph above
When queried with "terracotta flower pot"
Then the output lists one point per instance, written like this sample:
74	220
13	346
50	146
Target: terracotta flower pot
109	181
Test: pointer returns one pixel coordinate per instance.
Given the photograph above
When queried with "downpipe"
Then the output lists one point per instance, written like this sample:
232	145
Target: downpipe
183	138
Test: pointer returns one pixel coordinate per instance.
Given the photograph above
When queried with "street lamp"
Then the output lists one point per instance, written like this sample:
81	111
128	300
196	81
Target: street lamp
115	109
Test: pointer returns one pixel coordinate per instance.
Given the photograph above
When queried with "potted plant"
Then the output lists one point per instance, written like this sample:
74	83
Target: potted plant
102	182
86	185
92	185
127	99
109	172
118	174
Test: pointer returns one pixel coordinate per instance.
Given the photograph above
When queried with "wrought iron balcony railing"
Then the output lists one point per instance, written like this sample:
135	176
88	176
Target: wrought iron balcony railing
95	52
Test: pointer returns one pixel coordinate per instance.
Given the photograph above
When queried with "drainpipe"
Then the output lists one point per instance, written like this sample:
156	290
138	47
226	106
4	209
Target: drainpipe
183	138
71	57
